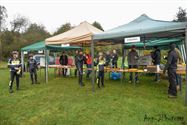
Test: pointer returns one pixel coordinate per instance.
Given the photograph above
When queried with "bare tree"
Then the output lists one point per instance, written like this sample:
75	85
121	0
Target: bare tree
3	16
19	23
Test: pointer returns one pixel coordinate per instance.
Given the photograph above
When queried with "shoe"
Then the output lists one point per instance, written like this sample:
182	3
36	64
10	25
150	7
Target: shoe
98	85
82	84
37	82
137	81
157	81
130	81
10	91
178	88
172	96
103	85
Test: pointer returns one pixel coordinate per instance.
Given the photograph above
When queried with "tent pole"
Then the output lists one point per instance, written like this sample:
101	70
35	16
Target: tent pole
93	71
46	66
181	50
185	43
22	61
184	51
123	59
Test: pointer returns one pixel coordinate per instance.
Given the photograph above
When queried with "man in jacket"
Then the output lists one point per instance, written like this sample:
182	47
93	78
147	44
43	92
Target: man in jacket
32	68
171	66
80	63
107	58
133	62
14	64
64	62
156	57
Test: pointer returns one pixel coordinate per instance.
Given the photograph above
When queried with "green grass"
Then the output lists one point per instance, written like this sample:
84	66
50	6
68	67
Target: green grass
63	102
3	65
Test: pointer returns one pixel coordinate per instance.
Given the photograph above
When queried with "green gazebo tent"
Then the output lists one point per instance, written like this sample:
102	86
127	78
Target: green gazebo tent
146	29
42	46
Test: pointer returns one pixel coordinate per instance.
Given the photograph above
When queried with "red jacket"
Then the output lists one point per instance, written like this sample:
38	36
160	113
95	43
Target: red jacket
88	59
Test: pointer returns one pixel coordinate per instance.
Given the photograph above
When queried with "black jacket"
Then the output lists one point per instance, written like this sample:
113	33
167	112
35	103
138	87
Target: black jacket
63	60
32	64
76	59
80	61
114	58
156	56
172	60
107	59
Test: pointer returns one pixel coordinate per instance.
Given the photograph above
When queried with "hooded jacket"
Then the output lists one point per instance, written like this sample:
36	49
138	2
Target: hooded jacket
80	61
156	57
63	60
172	58
133	57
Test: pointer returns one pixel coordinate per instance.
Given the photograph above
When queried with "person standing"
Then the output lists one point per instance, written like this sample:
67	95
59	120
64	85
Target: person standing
156	57
133	62
114	59
107	58
100	70
14	64
80	63
89	65
76	60
171	67
64	62
32	68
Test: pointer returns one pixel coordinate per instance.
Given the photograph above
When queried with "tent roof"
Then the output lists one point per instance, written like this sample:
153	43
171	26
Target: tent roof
41	46
34	47
80	34
143	26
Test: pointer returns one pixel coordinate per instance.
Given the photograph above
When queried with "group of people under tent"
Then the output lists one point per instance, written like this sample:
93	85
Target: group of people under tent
102	60
81	58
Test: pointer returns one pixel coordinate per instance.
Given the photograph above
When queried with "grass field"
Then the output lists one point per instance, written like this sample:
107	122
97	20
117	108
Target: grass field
63	102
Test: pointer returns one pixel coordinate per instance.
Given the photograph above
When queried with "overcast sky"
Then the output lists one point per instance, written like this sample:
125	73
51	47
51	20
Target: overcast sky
110	13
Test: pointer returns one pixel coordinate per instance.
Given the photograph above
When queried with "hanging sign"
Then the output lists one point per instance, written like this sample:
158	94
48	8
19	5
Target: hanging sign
132	39
25	52
40	51
65	45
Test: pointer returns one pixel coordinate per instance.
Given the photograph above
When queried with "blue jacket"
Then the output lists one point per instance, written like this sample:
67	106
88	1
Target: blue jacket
32	64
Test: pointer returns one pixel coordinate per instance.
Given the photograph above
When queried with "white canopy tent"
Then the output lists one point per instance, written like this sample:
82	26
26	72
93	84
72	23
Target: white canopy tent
79	35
